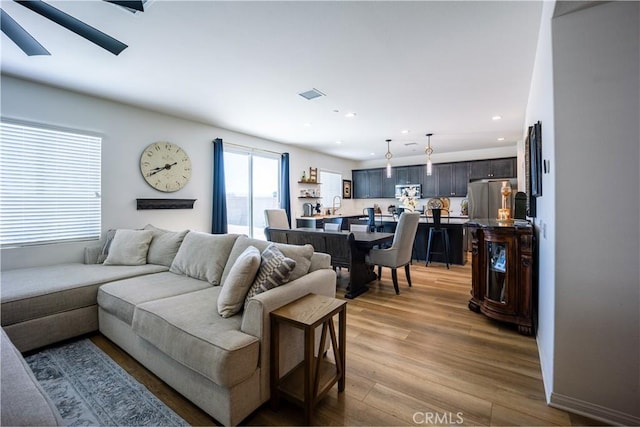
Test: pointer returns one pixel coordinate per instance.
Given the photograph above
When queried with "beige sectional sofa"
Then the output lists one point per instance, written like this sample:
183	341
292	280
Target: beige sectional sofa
167	315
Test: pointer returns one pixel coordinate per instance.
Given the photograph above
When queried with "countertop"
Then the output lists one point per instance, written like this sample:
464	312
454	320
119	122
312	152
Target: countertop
391	218
494	223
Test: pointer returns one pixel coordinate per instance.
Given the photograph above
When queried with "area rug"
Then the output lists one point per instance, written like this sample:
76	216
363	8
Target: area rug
90	389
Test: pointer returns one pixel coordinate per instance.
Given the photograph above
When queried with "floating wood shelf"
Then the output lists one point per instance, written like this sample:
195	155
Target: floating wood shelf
165	203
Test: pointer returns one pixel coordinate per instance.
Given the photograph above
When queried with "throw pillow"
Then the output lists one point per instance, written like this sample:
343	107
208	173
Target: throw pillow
275	270
107	244
240	278
164	245
300	254
203	256
129	247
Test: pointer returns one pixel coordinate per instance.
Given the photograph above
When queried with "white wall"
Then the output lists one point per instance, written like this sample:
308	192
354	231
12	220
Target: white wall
540	108
126	131
596	63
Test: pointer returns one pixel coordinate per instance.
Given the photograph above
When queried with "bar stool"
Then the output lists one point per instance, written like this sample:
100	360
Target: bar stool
444	237
371	215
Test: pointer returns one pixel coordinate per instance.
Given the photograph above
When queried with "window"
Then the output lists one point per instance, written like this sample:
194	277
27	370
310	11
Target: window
331	187
49	185
251	180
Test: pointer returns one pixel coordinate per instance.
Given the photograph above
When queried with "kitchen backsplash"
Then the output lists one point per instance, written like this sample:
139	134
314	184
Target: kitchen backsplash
360	204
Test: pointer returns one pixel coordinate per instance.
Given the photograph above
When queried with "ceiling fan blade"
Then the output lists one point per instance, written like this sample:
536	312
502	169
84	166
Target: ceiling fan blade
135	5
103	40
20	36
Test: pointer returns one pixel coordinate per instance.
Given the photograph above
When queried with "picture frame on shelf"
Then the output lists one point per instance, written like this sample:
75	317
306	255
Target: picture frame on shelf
346	188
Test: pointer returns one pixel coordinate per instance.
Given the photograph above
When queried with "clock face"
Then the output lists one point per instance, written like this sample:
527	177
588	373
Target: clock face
165	166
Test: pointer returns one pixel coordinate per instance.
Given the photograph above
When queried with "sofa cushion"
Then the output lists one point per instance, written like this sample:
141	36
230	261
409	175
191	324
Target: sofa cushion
104	251
275	270
24	402
238	282
185	328
164	245
129	247
203	256
300	254
31	293
121	297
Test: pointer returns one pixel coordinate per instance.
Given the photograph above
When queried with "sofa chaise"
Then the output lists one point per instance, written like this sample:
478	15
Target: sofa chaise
180	309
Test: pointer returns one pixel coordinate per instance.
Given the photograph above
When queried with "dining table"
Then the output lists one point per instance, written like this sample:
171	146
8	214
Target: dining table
347	249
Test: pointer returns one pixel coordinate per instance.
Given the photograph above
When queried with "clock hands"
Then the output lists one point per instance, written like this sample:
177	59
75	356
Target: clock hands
161	168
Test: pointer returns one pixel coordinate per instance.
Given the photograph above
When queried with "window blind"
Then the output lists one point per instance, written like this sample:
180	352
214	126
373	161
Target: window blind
50	183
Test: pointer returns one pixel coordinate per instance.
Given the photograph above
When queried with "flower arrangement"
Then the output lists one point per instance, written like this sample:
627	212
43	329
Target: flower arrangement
409	198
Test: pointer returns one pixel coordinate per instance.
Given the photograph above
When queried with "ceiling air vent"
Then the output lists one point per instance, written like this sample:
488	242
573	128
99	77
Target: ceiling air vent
407	144
311	94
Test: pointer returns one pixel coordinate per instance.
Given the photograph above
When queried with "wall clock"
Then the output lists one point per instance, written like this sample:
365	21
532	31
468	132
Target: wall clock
165	166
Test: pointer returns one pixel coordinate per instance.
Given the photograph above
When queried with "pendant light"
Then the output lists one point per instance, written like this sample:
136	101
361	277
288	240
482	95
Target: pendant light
429	152
388	156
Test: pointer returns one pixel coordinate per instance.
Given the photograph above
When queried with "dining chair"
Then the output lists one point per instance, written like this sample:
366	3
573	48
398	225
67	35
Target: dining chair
332	226
276	218
399	254
358	222
359	227
335	220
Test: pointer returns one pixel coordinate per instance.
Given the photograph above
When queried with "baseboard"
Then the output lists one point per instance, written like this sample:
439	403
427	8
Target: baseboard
591	410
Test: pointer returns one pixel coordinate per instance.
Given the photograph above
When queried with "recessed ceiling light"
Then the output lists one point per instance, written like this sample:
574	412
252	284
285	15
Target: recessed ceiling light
307	124
501	139
338	142
404	131
496	118
373	154
350	115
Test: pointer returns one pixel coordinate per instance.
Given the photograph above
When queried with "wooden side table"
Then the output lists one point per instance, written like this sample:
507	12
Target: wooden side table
310	380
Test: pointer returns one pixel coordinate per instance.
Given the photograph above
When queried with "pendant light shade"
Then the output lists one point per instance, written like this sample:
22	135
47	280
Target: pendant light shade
429	151
388	156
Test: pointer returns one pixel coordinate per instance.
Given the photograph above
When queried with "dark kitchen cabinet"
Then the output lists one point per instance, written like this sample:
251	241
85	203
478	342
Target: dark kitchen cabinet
452	179
375	182
443	173
409	174
460	179
367	183
429	187
493	168
388	186
447	180
360	180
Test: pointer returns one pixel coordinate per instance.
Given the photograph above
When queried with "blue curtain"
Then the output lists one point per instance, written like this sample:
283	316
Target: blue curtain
285	194
219	205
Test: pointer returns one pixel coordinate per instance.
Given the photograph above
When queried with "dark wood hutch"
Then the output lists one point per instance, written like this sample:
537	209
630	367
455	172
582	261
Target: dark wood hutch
502	271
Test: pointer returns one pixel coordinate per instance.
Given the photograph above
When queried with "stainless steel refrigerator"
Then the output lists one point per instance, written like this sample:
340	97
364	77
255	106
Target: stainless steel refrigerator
485	198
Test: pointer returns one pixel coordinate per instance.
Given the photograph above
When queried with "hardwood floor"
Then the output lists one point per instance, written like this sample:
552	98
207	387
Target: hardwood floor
421	357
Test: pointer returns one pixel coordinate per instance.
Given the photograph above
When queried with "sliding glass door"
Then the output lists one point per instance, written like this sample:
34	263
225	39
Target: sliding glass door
251	179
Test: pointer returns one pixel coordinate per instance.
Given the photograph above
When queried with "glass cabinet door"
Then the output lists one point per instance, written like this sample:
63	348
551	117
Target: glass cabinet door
497	274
